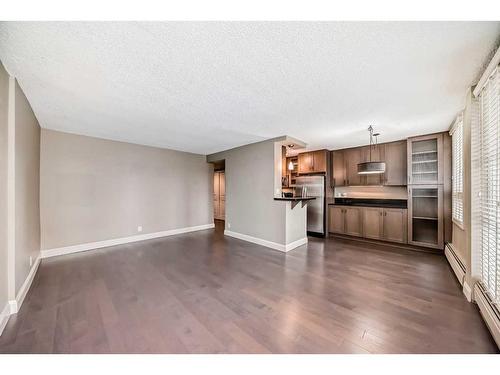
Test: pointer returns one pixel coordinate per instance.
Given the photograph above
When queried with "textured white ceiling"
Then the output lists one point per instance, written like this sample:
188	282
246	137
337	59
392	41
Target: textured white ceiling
209	86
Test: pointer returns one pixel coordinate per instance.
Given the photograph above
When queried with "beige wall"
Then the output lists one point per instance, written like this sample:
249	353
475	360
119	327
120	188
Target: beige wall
4	101
27	187
250	188
94	189
253	179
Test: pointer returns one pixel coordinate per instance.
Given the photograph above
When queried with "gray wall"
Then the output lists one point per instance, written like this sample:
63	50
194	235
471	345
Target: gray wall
94	189
4	99
27	185
250	182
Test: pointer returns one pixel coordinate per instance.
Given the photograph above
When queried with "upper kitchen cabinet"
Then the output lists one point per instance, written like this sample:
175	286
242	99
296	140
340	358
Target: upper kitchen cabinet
425	159
319	160
305	162
352	157
312	162
338	168
395	164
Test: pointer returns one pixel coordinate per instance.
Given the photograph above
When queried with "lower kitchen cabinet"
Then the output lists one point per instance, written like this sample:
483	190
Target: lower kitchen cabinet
353	225
336	219
388	224
395	225
345	220
372	222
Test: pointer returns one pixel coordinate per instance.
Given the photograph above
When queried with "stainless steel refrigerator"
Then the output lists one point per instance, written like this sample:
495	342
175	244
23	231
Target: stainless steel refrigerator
314	187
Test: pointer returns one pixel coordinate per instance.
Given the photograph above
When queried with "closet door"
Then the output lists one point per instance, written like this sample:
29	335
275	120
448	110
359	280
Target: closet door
222	195
216	195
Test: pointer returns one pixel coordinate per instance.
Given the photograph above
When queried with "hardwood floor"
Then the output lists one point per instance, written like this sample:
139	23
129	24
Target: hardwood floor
206	293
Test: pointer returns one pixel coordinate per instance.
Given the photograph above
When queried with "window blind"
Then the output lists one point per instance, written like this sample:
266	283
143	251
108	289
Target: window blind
486	203
457	175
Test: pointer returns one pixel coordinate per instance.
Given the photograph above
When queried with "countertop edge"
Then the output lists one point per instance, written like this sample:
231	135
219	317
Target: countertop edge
294	199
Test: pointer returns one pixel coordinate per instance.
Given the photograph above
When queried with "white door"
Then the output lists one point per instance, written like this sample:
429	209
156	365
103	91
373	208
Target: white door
216	195
222	195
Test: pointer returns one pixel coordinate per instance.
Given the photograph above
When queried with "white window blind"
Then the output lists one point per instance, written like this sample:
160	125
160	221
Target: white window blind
486	202
457	176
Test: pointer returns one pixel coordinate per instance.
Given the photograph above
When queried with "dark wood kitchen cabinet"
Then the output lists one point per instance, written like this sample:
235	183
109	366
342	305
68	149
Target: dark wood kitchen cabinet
425	215
336	219
425	159
338	168
395	225
319	160
312	162
395	164
373	222
388	224
345	220
345	165
352	157
305	161
353	221
377	223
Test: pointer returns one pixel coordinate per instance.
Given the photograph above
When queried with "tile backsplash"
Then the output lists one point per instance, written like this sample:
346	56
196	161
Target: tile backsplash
375	192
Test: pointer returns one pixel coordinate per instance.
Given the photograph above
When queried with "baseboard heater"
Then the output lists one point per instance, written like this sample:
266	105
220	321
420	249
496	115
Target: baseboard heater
455	262
489	311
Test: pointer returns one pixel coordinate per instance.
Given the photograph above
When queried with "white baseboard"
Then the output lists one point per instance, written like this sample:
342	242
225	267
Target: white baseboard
455	262
270	244
13	306
467	291
294	244
4	317
21	295
119	241
491	317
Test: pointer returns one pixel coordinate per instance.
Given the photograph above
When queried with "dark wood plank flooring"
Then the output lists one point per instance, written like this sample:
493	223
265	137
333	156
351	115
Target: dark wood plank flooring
206	293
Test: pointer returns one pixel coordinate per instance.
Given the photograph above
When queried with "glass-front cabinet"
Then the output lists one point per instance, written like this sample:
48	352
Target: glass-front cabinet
425	215
425	164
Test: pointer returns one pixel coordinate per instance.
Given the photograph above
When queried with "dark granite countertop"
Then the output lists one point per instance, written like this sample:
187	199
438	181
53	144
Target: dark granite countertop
369	202
294	199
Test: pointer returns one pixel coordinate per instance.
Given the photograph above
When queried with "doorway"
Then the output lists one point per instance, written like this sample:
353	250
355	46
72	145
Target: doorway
219	191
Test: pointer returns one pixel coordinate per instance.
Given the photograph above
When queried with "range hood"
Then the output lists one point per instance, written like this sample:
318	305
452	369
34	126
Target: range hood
371	167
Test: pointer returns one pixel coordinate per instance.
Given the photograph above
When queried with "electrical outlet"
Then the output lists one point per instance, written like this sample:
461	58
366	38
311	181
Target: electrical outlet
228	225
139	228
31	261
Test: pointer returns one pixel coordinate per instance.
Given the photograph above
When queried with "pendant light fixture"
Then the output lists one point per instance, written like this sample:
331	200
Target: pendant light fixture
371	167
290	165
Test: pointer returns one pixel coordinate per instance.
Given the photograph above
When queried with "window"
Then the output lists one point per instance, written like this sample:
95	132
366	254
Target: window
457	175
486	187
